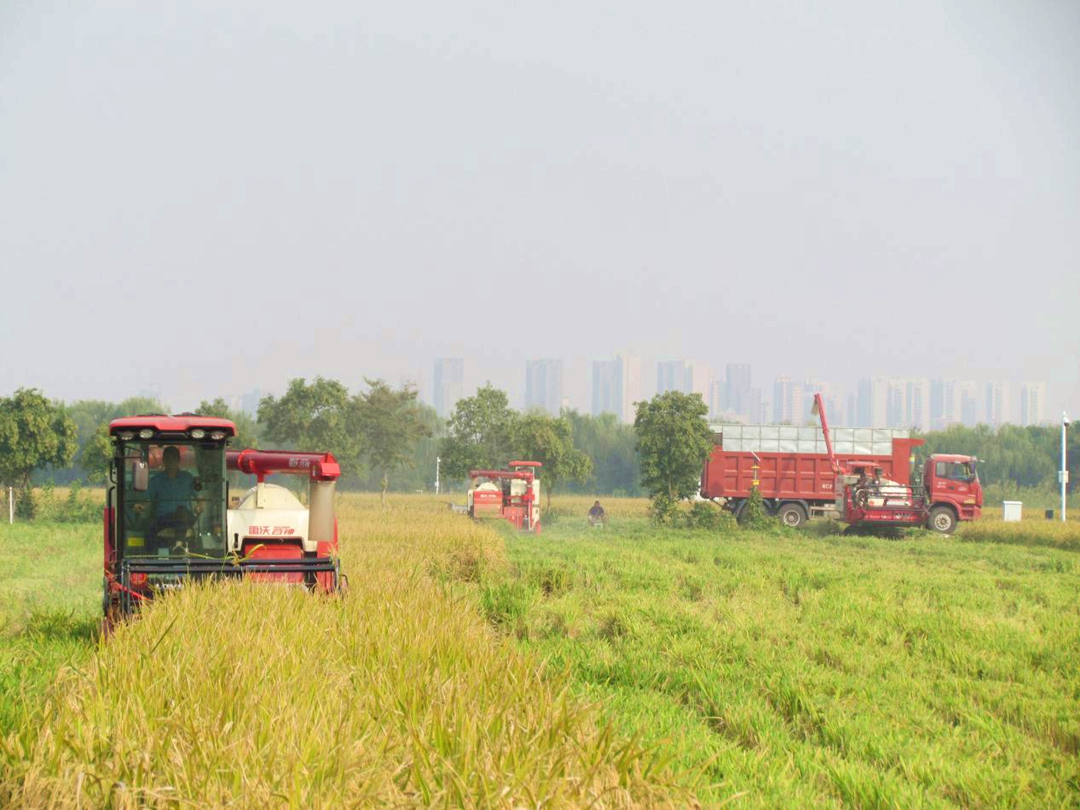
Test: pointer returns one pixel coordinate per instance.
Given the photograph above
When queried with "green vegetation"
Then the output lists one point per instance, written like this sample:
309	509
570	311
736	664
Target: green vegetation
34	433
392	427
673	441
50	602
797	668
1009	456
771	666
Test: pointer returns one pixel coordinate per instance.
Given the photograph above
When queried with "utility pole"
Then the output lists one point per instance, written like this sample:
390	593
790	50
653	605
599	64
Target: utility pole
437	460
1064	474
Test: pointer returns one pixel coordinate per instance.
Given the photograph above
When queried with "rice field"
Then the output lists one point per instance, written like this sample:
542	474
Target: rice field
399	693
624	666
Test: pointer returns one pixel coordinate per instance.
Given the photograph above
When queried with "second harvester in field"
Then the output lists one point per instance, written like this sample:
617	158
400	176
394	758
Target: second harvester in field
512	495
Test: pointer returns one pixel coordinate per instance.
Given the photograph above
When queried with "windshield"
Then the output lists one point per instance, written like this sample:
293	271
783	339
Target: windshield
181	512
956	470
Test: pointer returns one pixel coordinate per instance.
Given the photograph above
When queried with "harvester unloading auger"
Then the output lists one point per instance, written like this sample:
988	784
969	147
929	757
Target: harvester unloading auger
166	518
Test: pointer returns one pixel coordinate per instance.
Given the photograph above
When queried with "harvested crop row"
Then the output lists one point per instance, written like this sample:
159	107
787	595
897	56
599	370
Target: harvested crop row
399	694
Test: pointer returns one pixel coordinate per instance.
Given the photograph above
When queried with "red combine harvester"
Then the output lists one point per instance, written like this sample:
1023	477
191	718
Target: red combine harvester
166	518
512	495
794	469
950	491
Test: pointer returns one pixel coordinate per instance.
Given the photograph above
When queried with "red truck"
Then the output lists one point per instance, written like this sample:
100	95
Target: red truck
798	481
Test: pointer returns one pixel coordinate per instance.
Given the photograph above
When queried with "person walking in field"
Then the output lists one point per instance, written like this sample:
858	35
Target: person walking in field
597	515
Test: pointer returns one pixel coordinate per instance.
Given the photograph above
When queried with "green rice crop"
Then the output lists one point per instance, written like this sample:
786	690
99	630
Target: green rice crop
805	668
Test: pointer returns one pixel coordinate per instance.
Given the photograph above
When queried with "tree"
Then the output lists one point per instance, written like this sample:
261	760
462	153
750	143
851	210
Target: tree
673	441
91	418
247	430
393	424
34	433
319	417
96	454
550	440
480	433
609	444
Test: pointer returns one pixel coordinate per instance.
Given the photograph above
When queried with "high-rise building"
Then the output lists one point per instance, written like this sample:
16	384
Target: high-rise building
448	385
683	375
997	402
916	404
739	397
616	386
716	399
894	402
969	403
669	376
1033	403
953	402
787	401
873	403
544	385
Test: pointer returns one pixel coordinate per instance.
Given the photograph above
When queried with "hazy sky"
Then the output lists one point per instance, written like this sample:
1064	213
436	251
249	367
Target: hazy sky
209	197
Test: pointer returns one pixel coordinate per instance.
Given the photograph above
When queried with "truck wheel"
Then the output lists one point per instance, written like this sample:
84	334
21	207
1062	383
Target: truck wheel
737	511
792	514
942	520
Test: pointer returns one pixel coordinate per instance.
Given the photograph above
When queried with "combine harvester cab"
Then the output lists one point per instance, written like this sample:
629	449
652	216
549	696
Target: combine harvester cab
512	495
166	517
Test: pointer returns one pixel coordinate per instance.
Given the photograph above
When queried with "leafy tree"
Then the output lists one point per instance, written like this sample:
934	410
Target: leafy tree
673	442
34	433
480	433
247	430
550	440
610	446
393	424
94	457
91	418
319	417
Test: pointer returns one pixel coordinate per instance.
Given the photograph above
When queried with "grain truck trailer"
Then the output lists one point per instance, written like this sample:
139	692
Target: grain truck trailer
791	466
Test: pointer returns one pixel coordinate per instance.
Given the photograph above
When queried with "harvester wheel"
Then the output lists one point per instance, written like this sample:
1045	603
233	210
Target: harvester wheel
792	514
942	520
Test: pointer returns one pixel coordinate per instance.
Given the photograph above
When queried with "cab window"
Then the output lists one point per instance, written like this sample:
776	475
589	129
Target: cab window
181	512
955	470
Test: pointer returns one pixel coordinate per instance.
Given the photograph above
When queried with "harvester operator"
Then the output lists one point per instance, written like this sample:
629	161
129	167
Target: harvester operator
171	494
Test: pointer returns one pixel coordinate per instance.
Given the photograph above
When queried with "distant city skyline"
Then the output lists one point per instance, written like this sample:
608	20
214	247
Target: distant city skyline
616	383
923	403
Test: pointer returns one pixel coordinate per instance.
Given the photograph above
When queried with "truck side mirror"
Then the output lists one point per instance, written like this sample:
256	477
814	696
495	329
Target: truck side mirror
140	475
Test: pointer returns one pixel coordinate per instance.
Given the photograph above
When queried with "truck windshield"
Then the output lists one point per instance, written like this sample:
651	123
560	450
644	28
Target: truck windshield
956	470
182	511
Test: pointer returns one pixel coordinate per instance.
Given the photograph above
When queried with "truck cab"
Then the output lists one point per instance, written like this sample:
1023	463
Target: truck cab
953	490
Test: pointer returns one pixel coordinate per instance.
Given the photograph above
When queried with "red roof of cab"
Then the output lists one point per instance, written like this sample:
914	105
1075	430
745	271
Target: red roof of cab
951	457
171	424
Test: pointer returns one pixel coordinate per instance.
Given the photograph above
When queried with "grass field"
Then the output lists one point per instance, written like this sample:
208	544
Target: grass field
628	665
807	668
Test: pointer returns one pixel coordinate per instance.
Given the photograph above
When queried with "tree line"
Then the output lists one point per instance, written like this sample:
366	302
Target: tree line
387	440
